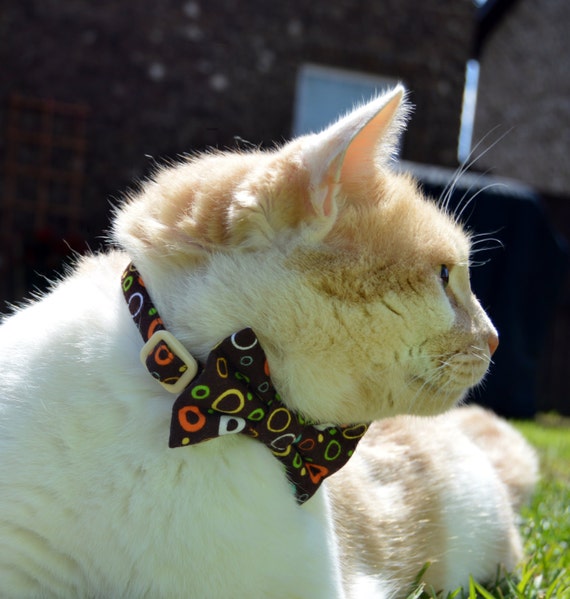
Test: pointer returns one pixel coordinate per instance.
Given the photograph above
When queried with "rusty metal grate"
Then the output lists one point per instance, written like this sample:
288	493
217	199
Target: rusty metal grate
45	147
45	155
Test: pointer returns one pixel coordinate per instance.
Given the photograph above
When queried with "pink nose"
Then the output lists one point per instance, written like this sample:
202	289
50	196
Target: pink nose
493	341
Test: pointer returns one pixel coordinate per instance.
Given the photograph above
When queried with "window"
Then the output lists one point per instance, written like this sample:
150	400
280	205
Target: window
324	93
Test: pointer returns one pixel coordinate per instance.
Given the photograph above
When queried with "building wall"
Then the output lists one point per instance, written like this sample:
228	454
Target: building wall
162	77
524	91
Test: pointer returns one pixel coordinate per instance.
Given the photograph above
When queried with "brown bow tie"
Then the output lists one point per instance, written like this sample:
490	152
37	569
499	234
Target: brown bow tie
233	394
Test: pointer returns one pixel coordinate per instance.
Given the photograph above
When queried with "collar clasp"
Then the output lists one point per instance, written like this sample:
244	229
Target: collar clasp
163	348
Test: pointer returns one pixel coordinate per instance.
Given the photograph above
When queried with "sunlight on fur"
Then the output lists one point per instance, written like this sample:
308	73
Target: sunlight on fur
358	290
445	491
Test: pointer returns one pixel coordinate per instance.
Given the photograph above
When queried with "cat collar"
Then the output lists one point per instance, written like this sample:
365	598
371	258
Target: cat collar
232	393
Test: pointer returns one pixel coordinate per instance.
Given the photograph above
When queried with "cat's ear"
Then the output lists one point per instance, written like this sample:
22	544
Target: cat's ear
348	151
230	200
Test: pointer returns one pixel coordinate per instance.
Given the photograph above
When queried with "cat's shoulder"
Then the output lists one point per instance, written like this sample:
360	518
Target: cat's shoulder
91	281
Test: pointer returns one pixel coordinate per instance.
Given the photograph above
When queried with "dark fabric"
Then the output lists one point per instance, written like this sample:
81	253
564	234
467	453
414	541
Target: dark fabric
233	394
162	361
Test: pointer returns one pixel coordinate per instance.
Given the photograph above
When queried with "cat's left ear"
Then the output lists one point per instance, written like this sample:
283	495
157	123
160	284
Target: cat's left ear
349	150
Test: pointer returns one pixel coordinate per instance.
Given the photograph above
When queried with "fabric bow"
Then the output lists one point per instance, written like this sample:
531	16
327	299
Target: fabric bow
233	394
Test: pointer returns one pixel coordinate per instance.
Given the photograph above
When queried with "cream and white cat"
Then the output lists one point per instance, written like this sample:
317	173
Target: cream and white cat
442	490
358	290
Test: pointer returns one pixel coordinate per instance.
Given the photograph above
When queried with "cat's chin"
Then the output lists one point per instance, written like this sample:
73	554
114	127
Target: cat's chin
441	389
439	405
429	399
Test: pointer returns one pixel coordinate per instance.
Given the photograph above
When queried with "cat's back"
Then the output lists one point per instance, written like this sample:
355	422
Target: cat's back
86	290
60	338
60	366
413	482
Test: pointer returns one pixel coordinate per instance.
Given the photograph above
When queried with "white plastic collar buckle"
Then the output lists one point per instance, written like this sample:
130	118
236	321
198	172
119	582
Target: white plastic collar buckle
178	385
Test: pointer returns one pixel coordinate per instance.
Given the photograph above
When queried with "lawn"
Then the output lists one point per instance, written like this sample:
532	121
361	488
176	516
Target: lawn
545	526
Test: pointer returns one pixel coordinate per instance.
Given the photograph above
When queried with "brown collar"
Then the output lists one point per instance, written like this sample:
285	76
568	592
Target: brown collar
233	393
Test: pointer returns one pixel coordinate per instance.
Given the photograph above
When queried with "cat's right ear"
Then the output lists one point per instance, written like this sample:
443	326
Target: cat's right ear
349	150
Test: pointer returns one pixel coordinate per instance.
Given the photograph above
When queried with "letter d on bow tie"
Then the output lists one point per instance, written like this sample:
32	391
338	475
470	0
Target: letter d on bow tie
230	425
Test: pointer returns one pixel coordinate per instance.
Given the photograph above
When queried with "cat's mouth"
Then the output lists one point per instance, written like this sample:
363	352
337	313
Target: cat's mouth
433	397
451	377
427	385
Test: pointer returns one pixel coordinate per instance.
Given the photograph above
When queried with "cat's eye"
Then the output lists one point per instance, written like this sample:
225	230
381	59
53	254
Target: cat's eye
444	275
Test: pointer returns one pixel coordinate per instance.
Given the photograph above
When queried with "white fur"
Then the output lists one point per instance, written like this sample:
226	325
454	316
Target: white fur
92	501
420	490
480	533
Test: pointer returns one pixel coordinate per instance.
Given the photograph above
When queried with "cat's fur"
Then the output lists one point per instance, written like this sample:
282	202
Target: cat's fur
334	261
513	458
444	490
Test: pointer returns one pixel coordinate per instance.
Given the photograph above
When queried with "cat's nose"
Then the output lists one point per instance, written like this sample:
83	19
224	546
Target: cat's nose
493	342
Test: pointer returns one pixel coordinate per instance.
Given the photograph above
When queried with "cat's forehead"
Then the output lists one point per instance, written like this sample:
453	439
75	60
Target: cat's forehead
392	221
375	247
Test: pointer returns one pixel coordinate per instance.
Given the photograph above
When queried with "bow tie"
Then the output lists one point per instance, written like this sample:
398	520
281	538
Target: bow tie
233	394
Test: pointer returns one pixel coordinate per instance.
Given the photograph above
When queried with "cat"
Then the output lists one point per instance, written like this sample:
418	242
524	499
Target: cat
442	490
357	289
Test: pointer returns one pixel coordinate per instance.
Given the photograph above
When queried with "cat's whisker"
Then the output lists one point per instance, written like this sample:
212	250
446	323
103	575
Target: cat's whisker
447	193
488	148
472	157
476	350
477	347
476	249
483	353
462	204
479	263
482	357
483	244
428	384
439	387
443	364
458	216
477	236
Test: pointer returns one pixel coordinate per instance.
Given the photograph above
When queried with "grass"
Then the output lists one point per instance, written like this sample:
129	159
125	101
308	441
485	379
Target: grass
545	525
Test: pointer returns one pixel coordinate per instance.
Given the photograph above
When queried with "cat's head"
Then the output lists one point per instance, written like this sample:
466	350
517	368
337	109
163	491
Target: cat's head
357	286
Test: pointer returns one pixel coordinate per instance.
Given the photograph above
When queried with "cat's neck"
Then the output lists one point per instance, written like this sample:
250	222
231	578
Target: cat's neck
202	304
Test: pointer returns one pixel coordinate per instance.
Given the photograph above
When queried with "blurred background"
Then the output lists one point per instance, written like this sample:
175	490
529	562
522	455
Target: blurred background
93	95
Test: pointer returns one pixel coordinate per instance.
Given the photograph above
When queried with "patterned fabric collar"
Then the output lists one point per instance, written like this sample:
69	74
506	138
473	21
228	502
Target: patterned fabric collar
233	393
